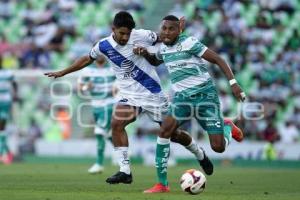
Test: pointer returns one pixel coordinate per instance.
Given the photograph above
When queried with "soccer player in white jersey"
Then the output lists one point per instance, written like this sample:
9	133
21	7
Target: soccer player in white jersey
139	91
97	84
8	91
195	94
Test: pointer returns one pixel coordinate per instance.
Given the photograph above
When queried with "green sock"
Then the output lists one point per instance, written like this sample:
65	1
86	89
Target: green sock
161	159
227	134
100	149
3	145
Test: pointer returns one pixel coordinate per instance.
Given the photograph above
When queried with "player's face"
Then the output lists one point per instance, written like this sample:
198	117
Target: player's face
121	35
169	32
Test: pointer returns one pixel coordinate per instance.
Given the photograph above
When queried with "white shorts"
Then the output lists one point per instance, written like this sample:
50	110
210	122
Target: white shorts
154	106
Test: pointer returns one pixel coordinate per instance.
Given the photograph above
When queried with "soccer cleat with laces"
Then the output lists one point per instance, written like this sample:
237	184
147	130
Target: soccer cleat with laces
236	132
206	164
158	188
120	177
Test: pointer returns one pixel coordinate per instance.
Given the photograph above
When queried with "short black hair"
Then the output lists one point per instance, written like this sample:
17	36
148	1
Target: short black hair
171	18
124	19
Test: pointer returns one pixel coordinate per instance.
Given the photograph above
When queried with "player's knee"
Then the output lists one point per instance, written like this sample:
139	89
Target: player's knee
2	125
218	147
166	131
175	137
168	128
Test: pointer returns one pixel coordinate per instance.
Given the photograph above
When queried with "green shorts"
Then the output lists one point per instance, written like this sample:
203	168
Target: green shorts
102	116
204	106
5	110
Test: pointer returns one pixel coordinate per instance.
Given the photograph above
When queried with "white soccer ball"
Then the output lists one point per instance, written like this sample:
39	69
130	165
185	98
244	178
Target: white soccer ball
193	181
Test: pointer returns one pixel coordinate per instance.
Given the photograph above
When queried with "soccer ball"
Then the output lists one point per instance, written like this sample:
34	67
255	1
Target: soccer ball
193	181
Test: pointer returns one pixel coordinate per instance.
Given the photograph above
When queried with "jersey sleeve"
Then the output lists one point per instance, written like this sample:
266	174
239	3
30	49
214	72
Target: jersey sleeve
158	55
95	51
196	48
148	36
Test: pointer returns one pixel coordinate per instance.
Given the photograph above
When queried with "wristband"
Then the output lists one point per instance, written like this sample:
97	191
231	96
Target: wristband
232	82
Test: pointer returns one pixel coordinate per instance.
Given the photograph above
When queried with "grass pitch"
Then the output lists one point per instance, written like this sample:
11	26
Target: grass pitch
46	181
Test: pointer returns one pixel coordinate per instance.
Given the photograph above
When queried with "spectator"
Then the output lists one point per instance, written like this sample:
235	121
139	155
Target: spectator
289	133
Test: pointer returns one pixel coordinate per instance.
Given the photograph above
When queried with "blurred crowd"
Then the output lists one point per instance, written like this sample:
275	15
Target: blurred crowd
34	34
259	38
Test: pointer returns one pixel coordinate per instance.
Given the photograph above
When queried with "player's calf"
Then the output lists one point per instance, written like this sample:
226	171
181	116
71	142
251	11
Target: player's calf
217	142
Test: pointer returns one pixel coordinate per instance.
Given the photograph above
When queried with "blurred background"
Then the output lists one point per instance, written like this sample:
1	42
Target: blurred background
260	39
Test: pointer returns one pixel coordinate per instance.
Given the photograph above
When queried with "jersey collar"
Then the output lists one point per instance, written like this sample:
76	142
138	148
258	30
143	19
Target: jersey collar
112	41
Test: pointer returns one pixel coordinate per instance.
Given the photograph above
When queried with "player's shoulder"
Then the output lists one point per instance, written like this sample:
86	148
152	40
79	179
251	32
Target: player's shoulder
139	31
103	39
143	33
190	40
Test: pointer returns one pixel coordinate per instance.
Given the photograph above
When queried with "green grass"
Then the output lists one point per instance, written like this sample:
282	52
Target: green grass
44	181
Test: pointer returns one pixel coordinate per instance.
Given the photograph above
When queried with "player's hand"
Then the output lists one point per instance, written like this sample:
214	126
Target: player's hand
238	92
85	87
141	51
55	74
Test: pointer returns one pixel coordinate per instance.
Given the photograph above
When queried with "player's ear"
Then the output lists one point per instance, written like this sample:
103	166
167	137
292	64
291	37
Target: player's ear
182	24
113	28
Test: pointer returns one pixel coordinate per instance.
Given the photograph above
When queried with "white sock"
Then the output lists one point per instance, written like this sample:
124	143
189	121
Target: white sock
226	142
123	159
195	149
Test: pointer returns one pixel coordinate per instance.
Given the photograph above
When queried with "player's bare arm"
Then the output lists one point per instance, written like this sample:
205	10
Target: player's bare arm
79	64
214	58
151	58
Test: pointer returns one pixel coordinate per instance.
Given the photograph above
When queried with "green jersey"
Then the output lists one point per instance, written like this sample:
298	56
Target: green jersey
6	87
101	81
187	70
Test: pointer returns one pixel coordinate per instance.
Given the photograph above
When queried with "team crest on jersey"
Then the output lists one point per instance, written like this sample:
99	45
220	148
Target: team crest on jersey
152	36
179	47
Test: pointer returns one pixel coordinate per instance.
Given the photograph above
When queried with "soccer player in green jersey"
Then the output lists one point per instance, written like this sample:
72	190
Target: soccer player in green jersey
8	88
195	93
97	82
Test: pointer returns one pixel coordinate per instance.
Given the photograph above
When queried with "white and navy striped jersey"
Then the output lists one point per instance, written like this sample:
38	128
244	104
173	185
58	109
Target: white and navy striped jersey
135	77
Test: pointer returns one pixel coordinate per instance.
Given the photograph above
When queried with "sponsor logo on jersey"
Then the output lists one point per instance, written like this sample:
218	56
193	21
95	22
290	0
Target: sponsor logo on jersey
123	100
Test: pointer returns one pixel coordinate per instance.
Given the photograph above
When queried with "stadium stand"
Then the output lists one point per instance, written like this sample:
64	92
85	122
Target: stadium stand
259	38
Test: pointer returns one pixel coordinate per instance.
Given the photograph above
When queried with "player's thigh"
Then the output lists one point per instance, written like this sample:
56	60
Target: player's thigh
168	127
208	112
123	115
180	111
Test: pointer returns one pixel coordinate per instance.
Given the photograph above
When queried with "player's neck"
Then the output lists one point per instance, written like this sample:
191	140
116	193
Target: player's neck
174	42
113	36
